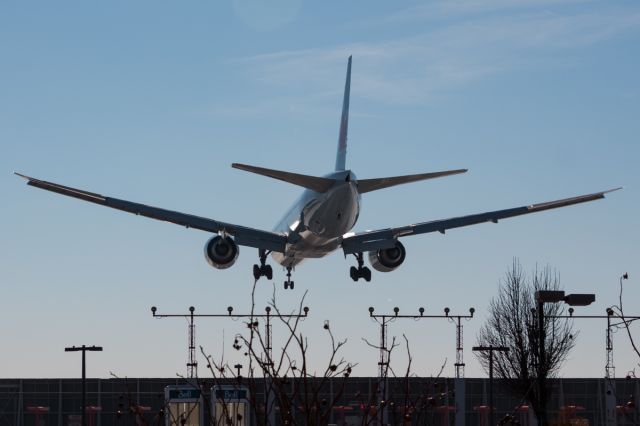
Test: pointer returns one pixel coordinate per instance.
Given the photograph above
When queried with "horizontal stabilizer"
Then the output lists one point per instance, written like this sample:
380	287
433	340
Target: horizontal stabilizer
317	184
368	185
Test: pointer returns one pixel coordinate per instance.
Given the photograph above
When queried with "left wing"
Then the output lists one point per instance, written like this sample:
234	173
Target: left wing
386	238
242	235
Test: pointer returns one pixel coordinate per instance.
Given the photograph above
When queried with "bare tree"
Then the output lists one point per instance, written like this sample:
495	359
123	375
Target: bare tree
404	403
284	374
511	322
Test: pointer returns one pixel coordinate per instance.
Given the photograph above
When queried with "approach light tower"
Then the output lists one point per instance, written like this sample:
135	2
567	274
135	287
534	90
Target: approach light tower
192	363
268	316
383	364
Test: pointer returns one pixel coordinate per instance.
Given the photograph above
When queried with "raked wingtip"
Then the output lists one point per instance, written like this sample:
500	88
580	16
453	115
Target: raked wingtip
612	190
25	177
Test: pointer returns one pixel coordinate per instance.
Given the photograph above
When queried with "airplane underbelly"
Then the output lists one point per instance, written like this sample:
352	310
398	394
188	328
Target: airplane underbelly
309	246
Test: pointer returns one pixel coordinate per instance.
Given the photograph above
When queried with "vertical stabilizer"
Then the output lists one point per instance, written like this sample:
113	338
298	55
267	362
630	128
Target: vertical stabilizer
341	155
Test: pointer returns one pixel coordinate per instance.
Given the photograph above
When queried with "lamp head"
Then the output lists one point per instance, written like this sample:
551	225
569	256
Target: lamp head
153	310
421	310
370	310
191	309
305	310
230	309
446	311
396	310
580	299
472	311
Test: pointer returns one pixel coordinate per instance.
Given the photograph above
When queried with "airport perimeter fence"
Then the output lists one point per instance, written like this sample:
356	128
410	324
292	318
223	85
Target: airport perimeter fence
418	401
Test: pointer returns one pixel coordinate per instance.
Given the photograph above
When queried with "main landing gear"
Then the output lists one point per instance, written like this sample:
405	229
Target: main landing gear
288	283
263	270
361	271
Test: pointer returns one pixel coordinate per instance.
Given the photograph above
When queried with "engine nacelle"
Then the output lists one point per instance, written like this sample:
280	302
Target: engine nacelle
221	252
386	260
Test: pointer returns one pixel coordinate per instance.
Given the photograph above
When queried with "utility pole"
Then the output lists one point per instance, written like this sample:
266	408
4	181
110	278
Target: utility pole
491	349
84	349
383	320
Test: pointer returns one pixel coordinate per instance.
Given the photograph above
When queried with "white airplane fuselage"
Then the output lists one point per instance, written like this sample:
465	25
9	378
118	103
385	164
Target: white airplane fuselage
316	222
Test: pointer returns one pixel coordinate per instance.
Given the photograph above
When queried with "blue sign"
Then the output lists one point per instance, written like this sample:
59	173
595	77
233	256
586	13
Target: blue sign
231	394
184	393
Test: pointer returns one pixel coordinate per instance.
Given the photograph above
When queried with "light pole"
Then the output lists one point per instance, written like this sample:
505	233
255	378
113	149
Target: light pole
551	296
84	349
491	349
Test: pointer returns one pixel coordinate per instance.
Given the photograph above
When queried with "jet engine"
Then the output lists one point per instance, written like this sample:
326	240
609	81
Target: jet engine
221	252
386	260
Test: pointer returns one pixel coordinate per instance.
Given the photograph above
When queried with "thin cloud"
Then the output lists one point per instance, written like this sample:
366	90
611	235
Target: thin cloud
443	9
424	67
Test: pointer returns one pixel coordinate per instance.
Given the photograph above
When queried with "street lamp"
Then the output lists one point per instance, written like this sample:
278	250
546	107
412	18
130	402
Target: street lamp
84	349
491	350
552	296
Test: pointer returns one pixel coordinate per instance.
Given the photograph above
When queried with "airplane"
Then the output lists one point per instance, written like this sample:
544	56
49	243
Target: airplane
320	221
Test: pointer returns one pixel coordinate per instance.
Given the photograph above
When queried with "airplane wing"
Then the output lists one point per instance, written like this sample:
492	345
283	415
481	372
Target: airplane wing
242	235
385	238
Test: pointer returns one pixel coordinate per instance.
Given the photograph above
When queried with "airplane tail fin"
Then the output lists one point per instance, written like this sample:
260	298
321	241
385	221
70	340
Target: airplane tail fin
368	185
341	155
317	184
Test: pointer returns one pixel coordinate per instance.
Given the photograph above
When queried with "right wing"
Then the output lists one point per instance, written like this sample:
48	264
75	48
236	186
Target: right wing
242	235
386	238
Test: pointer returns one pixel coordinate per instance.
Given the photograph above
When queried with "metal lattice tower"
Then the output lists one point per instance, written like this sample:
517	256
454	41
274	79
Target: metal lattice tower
268	337
610	369
384	362
192	364
459	351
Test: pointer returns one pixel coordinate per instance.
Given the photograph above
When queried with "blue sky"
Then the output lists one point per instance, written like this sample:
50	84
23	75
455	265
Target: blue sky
152	102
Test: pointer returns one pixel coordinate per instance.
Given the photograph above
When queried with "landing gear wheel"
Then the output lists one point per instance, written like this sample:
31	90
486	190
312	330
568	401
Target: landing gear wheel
366	274
268	272
288	283
353	272
262	270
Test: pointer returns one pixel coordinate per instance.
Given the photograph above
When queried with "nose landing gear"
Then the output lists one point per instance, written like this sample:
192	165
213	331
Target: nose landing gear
360	271
288	283
262	270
